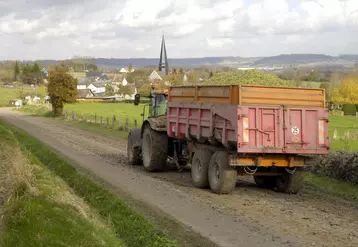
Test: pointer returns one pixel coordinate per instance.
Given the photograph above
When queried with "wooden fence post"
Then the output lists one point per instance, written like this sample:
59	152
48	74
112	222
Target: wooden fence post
126	125
101	120
120	124
135	123
107	121
73	116
114	122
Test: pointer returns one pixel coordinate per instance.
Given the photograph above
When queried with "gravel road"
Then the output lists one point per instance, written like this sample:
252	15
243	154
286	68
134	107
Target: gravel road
248	217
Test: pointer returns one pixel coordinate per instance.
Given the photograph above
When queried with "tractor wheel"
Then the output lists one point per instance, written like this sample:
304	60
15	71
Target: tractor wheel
154	150
290	183
200	167
134	154
266	182
222	178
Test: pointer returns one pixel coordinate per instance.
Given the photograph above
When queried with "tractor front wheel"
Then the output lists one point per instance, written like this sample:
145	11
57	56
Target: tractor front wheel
154	149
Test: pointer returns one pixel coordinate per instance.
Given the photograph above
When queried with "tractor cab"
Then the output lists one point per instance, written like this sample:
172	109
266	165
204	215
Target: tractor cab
157	103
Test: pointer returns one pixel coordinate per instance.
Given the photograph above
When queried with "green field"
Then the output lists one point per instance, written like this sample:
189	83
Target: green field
120	110
7	94
343	124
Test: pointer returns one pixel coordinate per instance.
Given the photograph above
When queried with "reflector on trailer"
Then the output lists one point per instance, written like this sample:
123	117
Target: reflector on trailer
321	132
245	129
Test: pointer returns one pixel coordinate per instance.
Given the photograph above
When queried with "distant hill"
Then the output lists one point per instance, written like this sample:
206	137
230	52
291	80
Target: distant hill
294	59
284	60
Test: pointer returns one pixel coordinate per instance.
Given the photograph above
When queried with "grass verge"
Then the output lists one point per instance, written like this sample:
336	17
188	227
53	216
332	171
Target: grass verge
130	227
39	209
332	186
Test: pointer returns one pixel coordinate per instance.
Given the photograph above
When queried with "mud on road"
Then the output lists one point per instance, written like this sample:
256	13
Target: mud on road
248	217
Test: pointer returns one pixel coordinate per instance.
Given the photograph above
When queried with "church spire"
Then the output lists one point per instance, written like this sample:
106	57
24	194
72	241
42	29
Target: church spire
163	62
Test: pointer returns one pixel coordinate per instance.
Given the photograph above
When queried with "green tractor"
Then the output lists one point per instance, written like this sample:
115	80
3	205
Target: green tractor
150	145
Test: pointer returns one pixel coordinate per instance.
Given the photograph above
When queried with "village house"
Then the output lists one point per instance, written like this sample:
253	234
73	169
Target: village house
97	87
156	76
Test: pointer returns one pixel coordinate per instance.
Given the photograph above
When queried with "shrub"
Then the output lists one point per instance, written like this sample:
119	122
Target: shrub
349	109
339	165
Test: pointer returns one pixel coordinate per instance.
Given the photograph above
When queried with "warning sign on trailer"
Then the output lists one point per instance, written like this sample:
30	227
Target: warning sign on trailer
295	130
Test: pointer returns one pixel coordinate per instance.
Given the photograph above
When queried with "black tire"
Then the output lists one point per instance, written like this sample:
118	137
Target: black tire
222	177
290	183
200	168
134	154
154	149
266	182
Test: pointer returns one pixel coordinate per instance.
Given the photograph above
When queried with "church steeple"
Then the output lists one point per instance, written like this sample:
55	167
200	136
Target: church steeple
163	56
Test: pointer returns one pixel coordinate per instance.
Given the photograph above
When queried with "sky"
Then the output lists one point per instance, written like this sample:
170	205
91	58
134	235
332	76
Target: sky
62	29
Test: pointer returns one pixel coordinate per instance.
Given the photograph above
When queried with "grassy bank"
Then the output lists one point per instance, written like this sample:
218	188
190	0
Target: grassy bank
131	228
39	209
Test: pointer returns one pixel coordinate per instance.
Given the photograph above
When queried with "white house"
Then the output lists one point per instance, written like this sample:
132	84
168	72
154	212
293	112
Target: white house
97	88
124	82
125	70
156	76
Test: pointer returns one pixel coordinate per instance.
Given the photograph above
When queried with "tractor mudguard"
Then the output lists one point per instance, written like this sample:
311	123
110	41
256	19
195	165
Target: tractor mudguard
135	136
157	124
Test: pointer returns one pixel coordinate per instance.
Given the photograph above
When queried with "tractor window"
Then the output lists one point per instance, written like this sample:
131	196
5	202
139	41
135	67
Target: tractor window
158	105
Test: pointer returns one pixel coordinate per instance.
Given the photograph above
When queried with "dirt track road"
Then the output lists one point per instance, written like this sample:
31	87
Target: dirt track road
248	217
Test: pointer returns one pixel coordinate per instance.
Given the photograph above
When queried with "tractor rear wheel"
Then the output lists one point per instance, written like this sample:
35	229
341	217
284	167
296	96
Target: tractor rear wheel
200	167
267	182
134	154
290	183
154	149
222	177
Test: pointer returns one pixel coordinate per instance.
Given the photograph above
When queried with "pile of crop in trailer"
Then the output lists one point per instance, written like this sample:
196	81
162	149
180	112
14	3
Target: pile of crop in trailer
247	77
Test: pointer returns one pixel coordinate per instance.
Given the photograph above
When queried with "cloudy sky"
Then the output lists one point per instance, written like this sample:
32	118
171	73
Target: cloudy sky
59	29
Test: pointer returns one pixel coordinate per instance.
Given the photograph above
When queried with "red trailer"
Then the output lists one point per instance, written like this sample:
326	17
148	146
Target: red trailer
223	131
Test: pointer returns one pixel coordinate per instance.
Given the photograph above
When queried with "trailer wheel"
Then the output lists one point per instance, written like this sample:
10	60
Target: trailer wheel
267	182
222	178
134	154
290	183
154	150
200	167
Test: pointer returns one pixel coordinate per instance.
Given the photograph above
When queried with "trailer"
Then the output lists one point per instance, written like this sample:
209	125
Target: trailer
225	131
